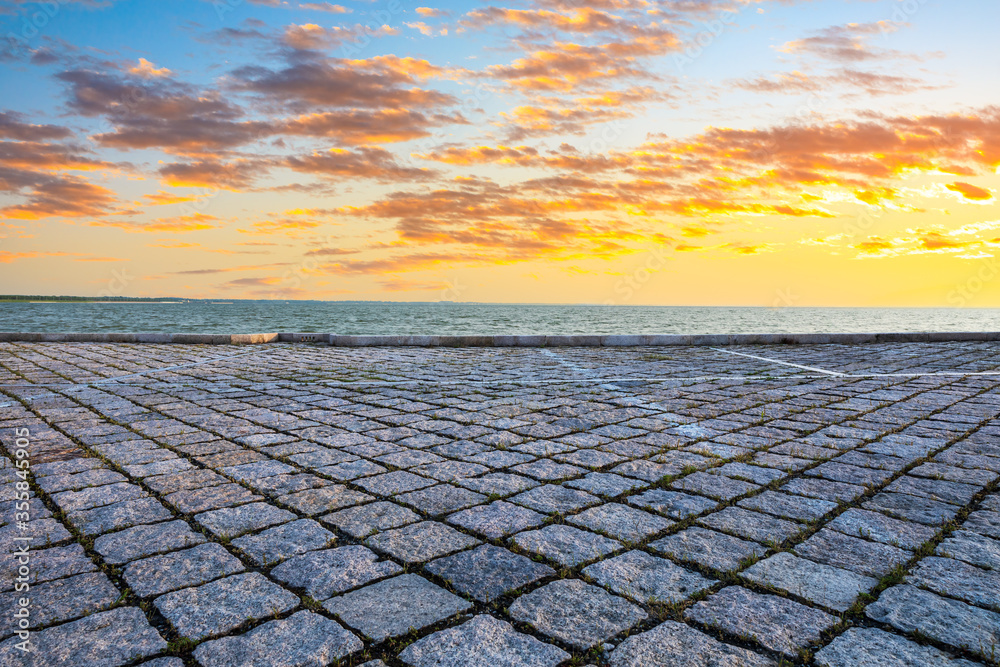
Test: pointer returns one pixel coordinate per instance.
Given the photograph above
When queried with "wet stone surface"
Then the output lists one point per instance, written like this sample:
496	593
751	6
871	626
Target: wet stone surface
505	506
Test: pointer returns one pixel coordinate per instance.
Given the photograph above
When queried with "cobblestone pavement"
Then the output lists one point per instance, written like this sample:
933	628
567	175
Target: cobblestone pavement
503	507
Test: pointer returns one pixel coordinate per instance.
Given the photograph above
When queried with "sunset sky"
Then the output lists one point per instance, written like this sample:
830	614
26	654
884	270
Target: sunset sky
701	152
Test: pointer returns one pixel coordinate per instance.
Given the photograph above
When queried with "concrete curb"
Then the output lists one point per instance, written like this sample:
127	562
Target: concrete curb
503	341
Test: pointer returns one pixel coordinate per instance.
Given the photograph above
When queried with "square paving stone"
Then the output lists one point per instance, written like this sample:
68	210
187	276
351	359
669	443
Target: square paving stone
42	532
324	499
120	515
673	504
953	493
553	499
302	639
605	484
708	548
290	539
235	521
714	486
180	569
647	579
958	579
547	470
184	481
824	489
487	572
392	607
852	553
323	574
47	564
576	613
351	470
881	528
421	542
249	473
61	600
752	525
108	639
913	508
776	623
566	545
498	483
360	522
972	548
948	621
749	473
391	483
784	505
482	642
440	499
139	541
81	480
878	648
984	522
85	499
496	520
208	498
220	606
673	644
621	522
824	585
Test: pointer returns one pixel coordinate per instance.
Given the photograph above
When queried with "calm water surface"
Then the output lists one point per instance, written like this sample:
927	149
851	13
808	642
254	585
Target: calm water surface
463	319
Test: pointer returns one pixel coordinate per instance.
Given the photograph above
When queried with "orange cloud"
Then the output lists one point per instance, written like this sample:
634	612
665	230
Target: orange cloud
970	191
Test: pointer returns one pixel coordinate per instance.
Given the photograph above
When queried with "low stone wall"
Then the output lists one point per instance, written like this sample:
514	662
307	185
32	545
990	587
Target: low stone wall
504	341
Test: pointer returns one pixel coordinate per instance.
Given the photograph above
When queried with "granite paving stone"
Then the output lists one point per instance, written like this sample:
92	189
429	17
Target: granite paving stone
180	569
484	641
231	522
882	528
139	541
759	527
877	648
47	564
673	644
323	574
487	572
119	515
824	585
393	607
852	553
301	640
958	579
61	600
628	524
948	621
441	499
972	548
276	544
497	519
776	623
107	639
565	545
360	522
222	605
708	548
421	542
672	504
576	613
647	579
